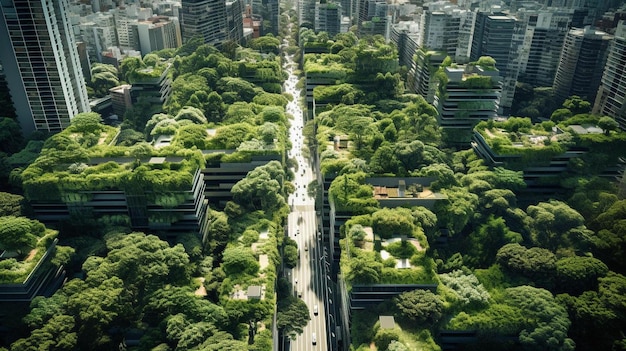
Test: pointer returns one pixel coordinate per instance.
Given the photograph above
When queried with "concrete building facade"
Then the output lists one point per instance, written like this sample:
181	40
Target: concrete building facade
158	33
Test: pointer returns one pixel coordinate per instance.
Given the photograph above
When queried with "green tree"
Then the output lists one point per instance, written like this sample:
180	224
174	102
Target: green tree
239	259
551	322
388	222
292	315
262	188
409	154
179	305
103	78
419	306
268	132
364	269
183	88
19	233
10	135
384	337
87	122
488	239
384	161
290	256
397	346
10	204
536	263
143	262
560	115
607	124
357	233
57	334
597	316
577	105
466	288
457	210
555	224
192	135
192	114
609	242
129	137
214	108
426	219
266	44
128	66
443	174
579	273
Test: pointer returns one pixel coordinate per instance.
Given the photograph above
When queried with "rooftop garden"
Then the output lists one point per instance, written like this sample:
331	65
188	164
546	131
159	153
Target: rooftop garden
65	164
23	243
325	66
518	137
226	106
539	143
388	246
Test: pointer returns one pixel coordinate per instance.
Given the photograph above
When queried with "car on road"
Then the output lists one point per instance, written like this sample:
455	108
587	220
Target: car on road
314	339
306	247
315	311
299	293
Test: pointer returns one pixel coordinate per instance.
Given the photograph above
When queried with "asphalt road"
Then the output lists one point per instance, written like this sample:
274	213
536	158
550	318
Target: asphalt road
307	276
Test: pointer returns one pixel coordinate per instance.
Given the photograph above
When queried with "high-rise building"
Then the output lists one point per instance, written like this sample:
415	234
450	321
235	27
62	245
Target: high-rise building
468	95
405	34
328	18
466	27
306	12
158	33
581	64
421	78
234	20
270	11
41	63
204	18
376	17
544	32
440	31
494	37
99	33
126	19
611	97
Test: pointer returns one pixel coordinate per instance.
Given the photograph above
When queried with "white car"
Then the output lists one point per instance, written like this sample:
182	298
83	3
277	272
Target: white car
315	311
314	339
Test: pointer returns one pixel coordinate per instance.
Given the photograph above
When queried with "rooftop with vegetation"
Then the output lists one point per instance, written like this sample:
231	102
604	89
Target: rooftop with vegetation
23	244
538	143
490	257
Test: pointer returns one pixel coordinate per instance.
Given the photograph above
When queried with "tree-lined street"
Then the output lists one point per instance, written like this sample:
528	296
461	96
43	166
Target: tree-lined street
307	276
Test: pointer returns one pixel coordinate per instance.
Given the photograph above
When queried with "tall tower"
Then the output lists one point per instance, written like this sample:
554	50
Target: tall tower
494	36
440	31
544	32
328	17
582	60
41	62
204	18
611	98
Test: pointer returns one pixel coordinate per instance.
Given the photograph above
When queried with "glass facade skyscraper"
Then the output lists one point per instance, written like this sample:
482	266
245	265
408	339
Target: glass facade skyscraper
41	62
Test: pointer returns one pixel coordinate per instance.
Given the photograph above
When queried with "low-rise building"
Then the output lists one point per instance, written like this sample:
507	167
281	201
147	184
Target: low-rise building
546	157
36	276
